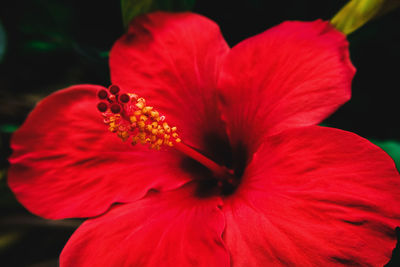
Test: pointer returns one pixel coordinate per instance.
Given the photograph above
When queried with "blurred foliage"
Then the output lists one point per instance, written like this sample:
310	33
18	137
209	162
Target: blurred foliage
358	12
8	128
3	41
133	8
392	148
7	239
55	44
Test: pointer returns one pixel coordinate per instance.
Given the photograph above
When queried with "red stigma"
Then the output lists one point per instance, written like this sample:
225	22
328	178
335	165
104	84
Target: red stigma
114	89
124	98
102	94
102	107
115	108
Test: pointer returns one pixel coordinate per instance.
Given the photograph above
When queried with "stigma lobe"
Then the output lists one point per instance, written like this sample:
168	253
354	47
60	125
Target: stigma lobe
102	94
102	107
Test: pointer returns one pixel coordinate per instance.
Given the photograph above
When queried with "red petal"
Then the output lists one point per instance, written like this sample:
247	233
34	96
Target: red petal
67	164
167	229
315	197
173	61
295	74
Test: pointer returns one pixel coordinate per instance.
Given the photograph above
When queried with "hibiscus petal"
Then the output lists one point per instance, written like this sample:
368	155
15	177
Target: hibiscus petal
172	60
167	229
315	196
67	164
294	74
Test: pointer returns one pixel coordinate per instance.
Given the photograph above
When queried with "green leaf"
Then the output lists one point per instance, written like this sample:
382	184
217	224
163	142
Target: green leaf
132	8
104	54
41	46
3	41
358	12
8	128
392	148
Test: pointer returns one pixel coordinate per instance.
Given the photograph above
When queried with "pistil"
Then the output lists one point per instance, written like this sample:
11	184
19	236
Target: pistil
128	116
221	173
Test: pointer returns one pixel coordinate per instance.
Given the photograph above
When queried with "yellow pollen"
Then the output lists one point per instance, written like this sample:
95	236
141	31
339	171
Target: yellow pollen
146	110
154	114
141	123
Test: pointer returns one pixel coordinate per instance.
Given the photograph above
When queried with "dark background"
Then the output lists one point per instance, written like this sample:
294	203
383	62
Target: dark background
54	44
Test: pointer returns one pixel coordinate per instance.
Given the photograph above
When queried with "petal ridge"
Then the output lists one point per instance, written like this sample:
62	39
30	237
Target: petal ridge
292	75
65	162
164	229
331	192
173	59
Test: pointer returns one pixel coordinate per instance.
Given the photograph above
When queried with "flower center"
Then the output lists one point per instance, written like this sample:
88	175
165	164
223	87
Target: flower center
128	116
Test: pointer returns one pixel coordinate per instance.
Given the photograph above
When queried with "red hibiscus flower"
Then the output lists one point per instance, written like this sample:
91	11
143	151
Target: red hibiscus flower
301	195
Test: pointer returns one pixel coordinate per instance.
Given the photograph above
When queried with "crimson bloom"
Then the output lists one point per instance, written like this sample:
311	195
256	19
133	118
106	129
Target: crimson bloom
301	195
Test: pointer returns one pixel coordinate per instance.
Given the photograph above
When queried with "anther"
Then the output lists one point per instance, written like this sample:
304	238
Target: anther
102	107
102	94
114	89
115	108
124	98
